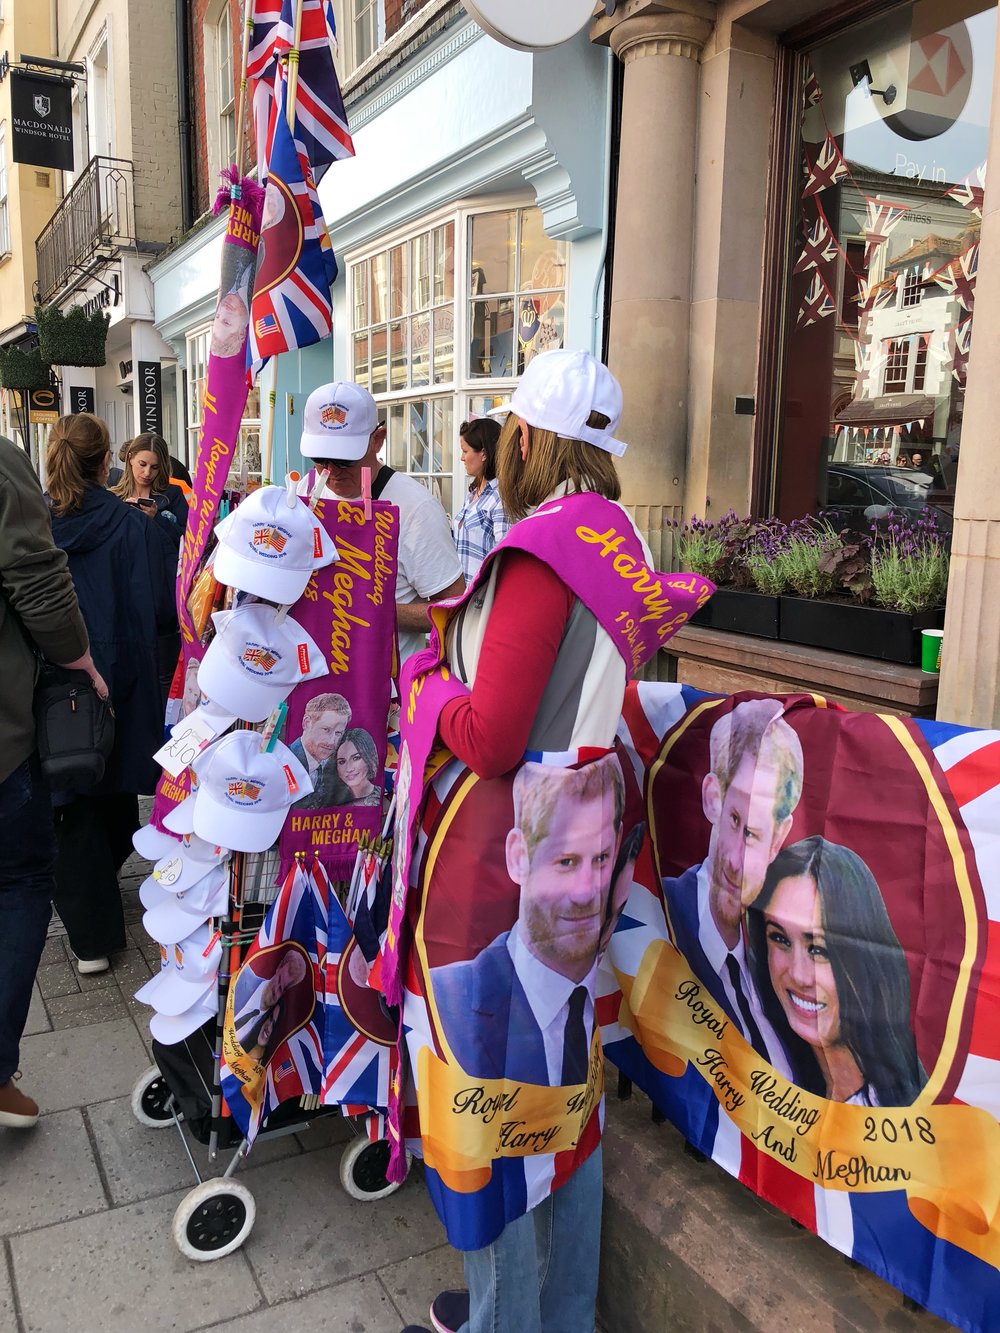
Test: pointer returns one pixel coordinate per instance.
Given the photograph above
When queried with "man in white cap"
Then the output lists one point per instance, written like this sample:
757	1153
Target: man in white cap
341	432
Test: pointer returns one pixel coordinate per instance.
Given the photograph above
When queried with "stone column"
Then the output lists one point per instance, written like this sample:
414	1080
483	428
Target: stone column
970	659
651	285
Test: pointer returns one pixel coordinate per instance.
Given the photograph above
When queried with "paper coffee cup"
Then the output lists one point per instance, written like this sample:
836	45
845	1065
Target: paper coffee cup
930	649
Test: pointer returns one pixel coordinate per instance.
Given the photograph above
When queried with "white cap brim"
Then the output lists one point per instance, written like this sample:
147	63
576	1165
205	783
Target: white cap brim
169	1030
229	688
351	448
243	831
153	843
181	817
589	434
168	993
284	586
185	869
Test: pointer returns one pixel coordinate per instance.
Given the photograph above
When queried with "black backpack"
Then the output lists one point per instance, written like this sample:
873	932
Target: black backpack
75	729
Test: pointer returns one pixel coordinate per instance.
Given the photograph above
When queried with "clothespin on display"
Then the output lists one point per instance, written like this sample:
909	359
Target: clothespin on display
272	727
291	481
314	495
366	492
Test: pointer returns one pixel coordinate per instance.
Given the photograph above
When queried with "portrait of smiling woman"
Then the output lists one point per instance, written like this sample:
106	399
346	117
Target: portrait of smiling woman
357	766
832	977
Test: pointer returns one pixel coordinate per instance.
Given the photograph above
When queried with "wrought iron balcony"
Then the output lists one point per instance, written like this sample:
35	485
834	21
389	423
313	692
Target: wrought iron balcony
96	215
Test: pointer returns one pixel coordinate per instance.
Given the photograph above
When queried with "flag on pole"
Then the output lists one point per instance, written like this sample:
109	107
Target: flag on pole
321	121
291	304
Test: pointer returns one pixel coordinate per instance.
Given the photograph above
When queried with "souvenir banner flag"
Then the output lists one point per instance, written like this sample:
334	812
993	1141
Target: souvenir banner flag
959	277
336	724
812	93
970	191
322	127
819	247
824	166
296	267
880	219
816	304
816	1006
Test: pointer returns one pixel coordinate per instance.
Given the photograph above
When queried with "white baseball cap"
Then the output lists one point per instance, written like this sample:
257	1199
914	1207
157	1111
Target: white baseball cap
338	422
189	969
269	545
243	792
256	658
559	390
168	1031
170	917
152	843
187	864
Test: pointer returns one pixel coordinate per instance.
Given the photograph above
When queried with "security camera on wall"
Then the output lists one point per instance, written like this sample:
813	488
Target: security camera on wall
125	388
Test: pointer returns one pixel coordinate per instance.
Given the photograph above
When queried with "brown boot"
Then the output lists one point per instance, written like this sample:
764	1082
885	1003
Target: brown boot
16	1110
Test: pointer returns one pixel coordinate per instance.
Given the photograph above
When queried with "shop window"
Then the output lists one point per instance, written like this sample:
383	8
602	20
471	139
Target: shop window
245	468
887	181
4	216
435	359
220	94
360	32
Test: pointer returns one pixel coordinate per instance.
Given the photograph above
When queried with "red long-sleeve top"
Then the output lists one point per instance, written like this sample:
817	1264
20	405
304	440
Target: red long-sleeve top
489	729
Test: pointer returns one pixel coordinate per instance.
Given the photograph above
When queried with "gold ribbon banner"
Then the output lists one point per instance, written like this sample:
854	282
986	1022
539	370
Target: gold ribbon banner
468	1122
250	1072
946	1158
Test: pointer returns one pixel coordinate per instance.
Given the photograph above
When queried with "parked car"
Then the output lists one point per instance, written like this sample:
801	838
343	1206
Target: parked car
859	494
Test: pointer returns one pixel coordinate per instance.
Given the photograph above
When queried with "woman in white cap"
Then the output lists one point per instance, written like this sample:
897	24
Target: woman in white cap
543	675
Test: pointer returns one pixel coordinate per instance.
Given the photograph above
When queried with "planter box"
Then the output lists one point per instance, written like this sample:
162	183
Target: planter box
866	631
742	612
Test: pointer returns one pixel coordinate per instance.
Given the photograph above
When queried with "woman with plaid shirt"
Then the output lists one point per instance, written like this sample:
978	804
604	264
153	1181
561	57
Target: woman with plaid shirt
481	522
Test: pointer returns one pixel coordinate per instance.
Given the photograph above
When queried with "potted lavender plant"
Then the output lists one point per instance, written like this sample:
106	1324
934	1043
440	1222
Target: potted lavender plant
719	550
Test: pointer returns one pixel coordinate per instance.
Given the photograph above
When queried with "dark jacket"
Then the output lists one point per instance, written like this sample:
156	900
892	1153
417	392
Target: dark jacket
37	602
123	569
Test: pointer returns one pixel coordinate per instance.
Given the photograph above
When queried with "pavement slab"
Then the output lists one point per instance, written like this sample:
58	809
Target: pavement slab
8	1319
414	1283
92	1006
38	1019
310	1234
140	1162
60	978
82	1064
120	1272
49	1173
358	1306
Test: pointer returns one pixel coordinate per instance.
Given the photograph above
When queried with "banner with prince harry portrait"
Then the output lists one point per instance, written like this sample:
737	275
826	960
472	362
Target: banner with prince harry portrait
806	979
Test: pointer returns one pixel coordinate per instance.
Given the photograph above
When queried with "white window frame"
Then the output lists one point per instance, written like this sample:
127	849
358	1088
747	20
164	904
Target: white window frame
220	95
4	206
346	14
245	466
468	395
106	145
912	341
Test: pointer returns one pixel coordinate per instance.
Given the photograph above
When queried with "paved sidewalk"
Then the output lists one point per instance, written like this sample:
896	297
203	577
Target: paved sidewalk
87	1197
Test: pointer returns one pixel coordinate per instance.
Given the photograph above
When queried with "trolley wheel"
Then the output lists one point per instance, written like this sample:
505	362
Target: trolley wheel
213	1219
363	1167
150	1098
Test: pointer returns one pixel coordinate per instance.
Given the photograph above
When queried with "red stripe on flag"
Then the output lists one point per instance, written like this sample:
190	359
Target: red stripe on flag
984	1040
644	738
607	1008
774	1181
975	774
349	1053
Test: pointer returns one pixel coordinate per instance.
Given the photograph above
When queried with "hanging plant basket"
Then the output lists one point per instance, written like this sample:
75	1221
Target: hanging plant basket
24	368
73	338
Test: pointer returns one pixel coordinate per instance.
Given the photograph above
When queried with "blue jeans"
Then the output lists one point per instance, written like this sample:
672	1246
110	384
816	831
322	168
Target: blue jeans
27	864
540	1274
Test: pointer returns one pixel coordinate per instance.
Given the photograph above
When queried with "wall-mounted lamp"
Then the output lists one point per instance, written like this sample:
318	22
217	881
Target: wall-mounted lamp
862	73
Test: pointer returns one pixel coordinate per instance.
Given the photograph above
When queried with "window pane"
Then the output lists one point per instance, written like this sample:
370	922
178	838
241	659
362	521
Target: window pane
397	374
491	337
419	433
444	344
361	360
444	263
444	416
397	281
421	271
379	289
361	295
420	349
379	369
541	324
493	238
396	425
543	261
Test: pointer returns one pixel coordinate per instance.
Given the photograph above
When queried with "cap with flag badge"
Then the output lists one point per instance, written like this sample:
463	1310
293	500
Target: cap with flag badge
270	545
257	657
338	422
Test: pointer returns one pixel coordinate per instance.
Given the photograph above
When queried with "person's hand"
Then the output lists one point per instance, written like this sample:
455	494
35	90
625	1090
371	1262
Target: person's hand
86	663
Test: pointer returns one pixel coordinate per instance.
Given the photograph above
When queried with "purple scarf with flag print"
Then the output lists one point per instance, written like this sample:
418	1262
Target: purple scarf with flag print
473	999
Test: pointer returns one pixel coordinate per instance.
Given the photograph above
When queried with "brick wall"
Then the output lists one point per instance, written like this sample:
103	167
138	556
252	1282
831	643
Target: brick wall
398	11
155	140
206	182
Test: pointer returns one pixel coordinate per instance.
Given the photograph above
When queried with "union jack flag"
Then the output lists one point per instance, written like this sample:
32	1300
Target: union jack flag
817	303
879	222
826	168
291	304
959	277
875	295
260	657
970	191
322	127
812	93
959	344
819	247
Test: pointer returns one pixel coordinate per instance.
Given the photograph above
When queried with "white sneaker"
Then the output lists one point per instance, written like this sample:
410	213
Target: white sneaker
89	965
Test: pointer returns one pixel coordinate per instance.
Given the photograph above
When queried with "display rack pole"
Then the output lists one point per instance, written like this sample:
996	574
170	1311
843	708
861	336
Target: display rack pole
244	60
292	60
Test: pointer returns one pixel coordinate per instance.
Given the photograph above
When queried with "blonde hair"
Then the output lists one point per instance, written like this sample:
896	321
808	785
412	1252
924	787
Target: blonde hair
756	728
538	788
147	443
552	459
77	451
